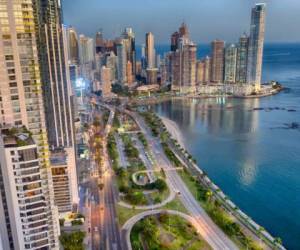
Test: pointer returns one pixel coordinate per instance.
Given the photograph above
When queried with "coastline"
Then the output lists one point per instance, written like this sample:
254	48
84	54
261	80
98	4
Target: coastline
249	225
158	99
174	130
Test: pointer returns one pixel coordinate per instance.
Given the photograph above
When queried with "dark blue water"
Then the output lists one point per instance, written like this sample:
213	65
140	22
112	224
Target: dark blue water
254	156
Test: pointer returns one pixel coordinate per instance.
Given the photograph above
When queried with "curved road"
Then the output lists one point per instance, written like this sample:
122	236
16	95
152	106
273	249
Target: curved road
127	227
207	228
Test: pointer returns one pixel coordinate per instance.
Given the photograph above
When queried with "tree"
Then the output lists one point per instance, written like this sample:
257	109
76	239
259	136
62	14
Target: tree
72	241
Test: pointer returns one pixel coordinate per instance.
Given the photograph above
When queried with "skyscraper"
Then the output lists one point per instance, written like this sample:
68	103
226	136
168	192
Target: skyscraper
99	42
184	33
256	44
174	41
230	64
189	59
200	70
143	56
184	61
86	49
24	222
73	49
217	61
111	62
105	81
129	73
23	105
150	52
242	56
130	48
207	69
57	88
121	61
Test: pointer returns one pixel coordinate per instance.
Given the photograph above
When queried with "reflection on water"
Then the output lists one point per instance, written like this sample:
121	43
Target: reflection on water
239	118
220	117
233	140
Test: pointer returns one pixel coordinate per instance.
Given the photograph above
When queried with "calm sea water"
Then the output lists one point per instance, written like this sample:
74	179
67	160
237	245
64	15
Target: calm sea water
254	156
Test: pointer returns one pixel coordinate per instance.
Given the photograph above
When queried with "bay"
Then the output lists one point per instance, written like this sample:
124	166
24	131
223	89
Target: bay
253	155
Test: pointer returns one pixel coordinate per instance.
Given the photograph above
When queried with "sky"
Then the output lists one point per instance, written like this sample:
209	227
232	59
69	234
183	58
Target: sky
206	19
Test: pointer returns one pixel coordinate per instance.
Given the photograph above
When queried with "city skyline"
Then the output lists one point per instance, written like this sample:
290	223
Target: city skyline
139	17
86	159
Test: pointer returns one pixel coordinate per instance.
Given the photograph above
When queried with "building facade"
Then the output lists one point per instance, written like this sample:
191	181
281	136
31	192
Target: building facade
24	211
57	88
242	57
21	98
121	62
230	64
150	51
129	36
106	81
73	49
217	61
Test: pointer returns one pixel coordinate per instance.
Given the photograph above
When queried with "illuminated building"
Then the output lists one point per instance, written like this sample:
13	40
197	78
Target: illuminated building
22	104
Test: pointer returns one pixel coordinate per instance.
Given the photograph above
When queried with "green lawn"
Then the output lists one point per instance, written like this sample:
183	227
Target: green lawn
166	232
125	213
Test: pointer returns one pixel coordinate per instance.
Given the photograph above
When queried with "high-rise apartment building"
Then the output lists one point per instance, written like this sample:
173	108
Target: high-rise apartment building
150	51
174	41
189	60
230	64
99	42
86	50
121	61
105	81
207	69
57	88
256	44
200	70
183	62
242	56
217	61
111	62
73	49
143	56
182	34
24	215
22	104
129	74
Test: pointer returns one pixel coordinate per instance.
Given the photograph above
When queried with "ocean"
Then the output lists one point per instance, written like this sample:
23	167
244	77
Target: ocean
253	155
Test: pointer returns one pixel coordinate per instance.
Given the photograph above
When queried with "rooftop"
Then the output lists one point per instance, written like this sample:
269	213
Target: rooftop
16	137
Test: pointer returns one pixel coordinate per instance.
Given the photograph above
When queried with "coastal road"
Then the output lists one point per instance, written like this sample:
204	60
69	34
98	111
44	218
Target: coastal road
110	231
207	228
142	153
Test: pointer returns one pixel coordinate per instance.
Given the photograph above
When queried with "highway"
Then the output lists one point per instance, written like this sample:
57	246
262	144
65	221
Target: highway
142	153
99	205
205	226
110	231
